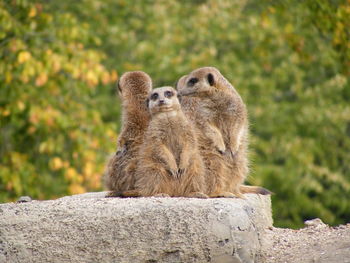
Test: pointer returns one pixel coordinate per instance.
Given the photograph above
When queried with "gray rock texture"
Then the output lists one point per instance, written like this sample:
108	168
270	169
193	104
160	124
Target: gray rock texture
91	228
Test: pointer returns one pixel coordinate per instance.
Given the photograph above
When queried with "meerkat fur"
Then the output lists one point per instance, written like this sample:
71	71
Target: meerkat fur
221	118
169	160
133	88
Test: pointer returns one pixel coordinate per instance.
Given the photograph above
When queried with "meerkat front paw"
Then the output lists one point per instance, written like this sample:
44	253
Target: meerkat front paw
231	153
172	173
122	151
221	149
180	172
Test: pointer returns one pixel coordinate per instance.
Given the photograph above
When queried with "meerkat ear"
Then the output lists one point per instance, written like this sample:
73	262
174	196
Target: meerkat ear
180	82
179	97
147	103
211	79
118	87
176	83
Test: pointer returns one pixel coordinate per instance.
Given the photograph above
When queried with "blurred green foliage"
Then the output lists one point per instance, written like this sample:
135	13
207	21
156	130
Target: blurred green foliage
290	60
53	137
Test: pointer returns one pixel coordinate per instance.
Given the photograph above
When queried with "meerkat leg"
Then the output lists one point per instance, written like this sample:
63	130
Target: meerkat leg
236	141
184	159
152	180
169	160
215	136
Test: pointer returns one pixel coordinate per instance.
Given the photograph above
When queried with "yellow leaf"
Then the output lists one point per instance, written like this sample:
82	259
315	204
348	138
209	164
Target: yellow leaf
56	66
31	130
91	78
71	174
6	112
95	181
88	169
8	77
76	189
23	56
42	147
114	76
106	78
32	12
41	79
21	105
56	163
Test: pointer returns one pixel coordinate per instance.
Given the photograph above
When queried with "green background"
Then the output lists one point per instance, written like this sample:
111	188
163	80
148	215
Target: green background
290	61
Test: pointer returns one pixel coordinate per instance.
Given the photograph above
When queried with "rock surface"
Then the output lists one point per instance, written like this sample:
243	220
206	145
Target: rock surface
316	243
91	228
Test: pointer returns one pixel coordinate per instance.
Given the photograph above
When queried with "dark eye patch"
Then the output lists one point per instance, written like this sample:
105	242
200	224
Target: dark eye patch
211	79
192	81
154	96
168	94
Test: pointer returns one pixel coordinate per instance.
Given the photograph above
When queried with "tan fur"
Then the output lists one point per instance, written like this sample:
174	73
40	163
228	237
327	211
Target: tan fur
169	159
134	88
220	117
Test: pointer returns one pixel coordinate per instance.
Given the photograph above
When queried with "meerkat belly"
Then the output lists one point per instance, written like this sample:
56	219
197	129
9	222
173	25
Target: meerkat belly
176	145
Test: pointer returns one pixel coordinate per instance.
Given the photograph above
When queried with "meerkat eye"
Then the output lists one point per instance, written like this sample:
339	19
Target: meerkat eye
154	96
192	81
211	79
168	94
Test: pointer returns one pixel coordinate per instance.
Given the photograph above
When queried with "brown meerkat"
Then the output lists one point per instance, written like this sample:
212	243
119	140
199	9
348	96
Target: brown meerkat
221	118
169	160
133	88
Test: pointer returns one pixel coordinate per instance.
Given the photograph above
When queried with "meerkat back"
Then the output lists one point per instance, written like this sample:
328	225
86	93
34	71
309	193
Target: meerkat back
133	88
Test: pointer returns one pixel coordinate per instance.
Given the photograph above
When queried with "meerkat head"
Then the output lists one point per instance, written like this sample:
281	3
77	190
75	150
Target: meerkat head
134	84
163	99
201	82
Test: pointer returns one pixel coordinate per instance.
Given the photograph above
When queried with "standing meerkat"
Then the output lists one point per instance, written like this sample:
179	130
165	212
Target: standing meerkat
169	160
221	118
133	88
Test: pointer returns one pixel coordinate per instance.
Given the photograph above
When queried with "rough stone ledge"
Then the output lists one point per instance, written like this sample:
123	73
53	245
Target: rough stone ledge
91	228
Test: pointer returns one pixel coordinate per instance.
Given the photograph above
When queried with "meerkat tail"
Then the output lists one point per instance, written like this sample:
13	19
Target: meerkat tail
114	194
129	193
247	189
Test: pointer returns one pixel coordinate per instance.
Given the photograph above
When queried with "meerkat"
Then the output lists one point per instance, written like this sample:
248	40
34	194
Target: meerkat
169	160
133	88
221	118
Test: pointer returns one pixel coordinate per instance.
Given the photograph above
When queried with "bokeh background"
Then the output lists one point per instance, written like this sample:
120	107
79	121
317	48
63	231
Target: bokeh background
290	61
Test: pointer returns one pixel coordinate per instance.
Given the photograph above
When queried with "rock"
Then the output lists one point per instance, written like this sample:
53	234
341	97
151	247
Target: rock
315	243
316	222
91	228
24	199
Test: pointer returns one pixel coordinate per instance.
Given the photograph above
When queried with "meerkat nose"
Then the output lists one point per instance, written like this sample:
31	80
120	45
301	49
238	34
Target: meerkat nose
161	102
